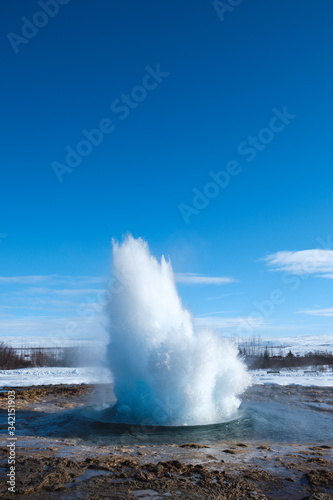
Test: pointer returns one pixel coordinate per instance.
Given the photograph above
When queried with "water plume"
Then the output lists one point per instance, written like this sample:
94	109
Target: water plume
165	373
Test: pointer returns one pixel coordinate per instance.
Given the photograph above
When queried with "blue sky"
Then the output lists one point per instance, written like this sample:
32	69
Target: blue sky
178	96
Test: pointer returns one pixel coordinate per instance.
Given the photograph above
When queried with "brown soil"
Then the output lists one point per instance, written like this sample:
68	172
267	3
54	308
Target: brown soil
58	469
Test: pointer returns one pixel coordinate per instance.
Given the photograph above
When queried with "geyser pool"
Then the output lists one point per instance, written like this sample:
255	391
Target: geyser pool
165	373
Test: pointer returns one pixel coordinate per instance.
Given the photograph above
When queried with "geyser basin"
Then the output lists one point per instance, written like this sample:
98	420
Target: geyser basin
164	372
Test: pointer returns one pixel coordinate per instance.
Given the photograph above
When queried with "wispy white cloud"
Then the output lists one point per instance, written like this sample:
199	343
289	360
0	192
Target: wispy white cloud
62	291
217	297
316	261
87	326
24	280
200	279
232	324
56	280
217	312
318	312
40	304
51	279
54	293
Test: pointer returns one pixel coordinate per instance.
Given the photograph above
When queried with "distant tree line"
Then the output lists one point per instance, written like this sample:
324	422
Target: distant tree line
252	350
266	360
11	358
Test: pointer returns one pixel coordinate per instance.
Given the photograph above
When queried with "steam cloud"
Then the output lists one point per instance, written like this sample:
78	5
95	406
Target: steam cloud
164	372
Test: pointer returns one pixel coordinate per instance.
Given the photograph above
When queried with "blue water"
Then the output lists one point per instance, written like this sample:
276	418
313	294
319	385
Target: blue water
269	420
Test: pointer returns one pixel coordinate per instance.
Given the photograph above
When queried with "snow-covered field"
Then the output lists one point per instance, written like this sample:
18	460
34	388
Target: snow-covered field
56	375
300	345
307	376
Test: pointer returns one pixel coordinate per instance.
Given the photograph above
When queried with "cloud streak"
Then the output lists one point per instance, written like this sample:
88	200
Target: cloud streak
51	279
316	261
52	327
231	324
53	294
318	312
23	280
200	279
62	291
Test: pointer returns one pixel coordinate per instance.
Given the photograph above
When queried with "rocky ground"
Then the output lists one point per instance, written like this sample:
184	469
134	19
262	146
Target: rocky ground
63	469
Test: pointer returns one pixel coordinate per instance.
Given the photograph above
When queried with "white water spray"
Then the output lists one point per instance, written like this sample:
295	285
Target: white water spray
164	372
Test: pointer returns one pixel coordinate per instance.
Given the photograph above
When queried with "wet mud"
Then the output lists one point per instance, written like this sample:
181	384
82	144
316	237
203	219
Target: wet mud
232	469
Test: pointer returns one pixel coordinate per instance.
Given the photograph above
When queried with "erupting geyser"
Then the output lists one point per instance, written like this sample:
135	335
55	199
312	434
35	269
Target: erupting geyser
164	372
